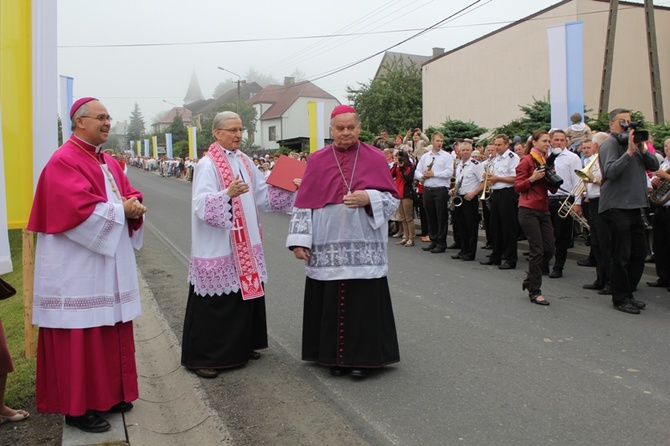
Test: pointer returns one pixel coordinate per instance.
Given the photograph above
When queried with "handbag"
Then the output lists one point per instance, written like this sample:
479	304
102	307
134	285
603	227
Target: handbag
6	290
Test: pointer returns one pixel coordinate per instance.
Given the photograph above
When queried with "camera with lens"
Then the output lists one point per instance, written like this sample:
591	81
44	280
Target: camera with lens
640	135
554	179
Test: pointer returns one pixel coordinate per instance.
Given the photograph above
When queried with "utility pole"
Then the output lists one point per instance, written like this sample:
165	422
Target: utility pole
654	68
606	83
239	92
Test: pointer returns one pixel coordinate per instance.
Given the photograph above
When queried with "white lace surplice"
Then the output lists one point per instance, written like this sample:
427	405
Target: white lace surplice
345	243
87	276
212	266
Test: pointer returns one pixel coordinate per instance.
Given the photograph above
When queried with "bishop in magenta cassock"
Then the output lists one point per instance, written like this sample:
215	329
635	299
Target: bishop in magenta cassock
88	220
338	227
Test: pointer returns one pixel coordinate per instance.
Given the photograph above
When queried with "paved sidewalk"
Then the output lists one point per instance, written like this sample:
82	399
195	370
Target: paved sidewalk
172	409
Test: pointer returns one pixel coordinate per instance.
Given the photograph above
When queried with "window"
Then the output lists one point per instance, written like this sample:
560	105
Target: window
272	133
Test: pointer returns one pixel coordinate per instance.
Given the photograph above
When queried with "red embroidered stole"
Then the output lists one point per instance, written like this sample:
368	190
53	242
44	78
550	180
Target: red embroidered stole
245	262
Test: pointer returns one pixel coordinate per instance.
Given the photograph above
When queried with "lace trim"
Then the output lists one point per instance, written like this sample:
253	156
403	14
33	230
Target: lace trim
217	275
85	303
358	253
301	222
280	200
218	211
106	230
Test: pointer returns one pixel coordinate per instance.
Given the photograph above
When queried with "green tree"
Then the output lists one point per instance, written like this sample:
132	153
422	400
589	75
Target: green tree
178	129
538	116
247	113
660	132
180	149
452	129
392	101
136	125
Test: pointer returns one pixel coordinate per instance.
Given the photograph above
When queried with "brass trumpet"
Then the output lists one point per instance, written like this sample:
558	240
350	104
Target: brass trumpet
486	192
567	207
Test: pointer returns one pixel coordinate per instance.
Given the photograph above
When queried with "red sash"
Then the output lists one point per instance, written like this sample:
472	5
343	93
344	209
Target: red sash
245	262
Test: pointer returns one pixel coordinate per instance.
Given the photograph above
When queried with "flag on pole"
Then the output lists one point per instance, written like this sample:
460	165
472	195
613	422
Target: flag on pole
192	143
5	254
316	127
66	93
154	145
168	145
566	72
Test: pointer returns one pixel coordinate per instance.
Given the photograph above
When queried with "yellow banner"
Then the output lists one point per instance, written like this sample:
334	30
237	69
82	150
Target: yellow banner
154	146
16	102
192	147
138	146
313	129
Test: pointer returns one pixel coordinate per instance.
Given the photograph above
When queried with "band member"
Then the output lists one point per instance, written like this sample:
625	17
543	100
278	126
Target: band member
600	237
503	205
469	184
661	221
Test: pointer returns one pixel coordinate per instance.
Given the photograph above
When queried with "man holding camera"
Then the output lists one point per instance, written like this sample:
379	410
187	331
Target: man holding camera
624	160
565	165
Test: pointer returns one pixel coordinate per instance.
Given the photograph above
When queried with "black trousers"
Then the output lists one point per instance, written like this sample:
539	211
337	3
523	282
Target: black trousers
626	229
486	216
537	227
421	212
661	232
562	232
601	244
467	218
504	225
436	201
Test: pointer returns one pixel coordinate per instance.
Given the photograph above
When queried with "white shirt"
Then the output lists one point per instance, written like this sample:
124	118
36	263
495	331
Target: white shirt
471	175
565	165
443	168
505	166
592	188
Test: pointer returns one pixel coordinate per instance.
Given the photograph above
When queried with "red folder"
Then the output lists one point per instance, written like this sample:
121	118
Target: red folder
286	169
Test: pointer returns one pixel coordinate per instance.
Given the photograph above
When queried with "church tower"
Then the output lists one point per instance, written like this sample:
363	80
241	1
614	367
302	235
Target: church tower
194	93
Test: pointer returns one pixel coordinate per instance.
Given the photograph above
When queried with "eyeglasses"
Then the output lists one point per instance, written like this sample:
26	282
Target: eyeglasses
101	118
240	130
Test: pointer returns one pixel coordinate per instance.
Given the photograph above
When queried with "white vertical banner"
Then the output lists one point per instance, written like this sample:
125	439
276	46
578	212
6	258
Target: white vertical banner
558	77
5	254
168	145
44	83
131	144
146	148
320	125
66	101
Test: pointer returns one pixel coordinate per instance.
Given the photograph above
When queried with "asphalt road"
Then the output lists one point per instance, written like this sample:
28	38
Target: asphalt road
480	365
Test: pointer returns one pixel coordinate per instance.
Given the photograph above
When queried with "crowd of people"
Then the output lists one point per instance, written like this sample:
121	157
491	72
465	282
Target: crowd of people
89	220
559	184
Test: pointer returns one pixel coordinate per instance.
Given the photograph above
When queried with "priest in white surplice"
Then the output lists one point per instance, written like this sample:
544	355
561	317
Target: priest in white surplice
89	220
225	323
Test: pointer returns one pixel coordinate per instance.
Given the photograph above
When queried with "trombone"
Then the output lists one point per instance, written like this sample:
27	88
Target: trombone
567	207
486	192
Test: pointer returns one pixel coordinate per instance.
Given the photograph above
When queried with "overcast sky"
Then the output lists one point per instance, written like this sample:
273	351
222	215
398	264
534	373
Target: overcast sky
144	51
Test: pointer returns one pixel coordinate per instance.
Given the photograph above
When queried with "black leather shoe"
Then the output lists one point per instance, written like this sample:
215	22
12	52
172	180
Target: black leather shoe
121	407
545	272
338	371
657	284
90	422
359	373
507	265
637	303
491	262
555	274
437	250
429	247
253	354
607	291
585	262
627	308
454	246
467	258
592	286
487	246
456	256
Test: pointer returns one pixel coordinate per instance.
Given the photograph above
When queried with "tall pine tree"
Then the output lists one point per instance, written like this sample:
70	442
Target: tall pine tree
136	126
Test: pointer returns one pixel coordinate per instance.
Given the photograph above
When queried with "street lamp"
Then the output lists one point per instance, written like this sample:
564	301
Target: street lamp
239	79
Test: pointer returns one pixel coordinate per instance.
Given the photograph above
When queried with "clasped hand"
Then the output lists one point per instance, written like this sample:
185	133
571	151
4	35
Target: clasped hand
357	199
133	209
